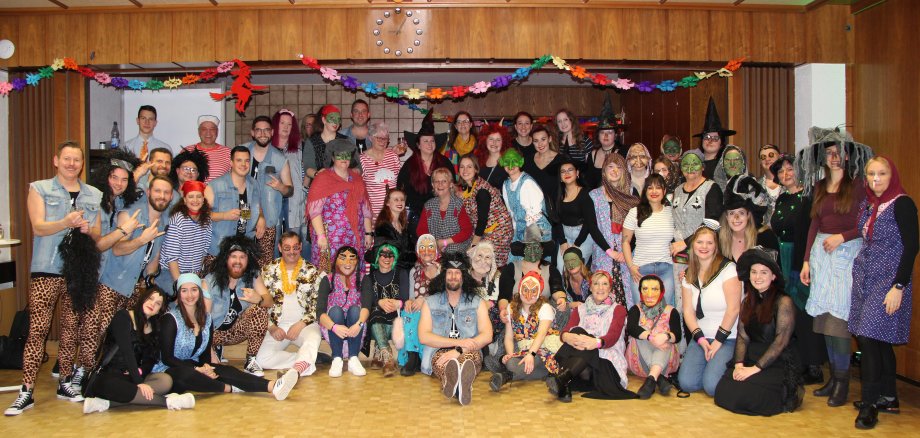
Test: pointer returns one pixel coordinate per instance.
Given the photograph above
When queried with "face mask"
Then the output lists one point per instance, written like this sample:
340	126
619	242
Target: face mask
691	163
334	118
533	252
672	147
571	261
482	263
530	290
733	163
345	156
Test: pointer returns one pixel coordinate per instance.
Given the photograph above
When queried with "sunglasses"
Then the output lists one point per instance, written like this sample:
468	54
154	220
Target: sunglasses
387	254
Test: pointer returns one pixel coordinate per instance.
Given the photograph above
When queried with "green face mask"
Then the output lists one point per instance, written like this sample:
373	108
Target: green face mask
672	147
334	118
571	261
345	156
691	163
733	162
533	252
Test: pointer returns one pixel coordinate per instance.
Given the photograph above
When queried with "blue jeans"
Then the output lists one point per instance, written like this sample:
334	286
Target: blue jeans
340	317
696	373
662	269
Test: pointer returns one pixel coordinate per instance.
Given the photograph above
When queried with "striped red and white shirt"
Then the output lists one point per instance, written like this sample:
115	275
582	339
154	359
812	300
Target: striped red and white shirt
218	159
379	176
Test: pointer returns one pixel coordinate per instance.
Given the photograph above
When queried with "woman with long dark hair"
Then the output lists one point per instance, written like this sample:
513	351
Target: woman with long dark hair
415	176
573	203
765	379
543	165
656	329
127	377
392	225
462	138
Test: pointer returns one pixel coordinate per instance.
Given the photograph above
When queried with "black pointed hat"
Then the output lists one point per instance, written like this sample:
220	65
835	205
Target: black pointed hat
607	119
713	123
426	129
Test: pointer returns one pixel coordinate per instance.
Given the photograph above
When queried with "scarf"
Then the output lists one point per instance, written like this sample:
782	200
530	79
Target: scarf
894	190
618	193
656	310
593	308
328	183
464	147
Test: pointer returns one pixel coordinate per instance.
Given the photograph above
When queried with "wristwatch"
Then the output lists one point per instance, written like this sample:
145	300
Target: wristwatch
533	353
898	286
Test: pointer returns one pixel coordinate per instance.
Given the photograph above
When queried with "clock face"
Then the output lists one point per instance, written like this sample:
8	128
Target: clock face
6	49
398	31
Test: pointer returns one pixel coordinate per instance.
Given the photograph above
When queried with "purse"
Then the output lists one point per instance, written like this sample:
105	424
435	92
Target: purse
104	357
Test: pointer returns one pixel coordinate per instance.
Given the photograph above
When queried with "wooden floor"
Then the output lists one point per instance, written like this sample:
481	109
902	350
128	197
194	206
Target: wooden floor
399	406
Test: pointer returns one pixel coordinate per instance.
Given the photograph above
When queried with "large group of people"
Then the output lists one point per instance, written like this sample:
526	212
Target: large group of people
536	252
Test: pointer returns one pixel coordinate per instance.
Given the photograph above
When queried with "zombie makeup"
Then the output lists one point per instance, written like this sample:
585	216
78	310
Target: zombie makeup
672	149
691	163
733	162
533	252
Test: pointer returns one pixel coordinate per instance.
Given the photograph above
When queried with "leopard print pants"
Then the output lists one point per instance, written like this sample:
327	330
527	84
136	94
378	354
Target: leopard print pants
94	324
266	247
43	295
250	326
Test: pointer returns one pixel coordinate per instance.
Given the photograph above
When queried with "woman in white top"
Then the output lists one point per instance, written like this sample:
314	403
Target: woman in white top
653	226
712	301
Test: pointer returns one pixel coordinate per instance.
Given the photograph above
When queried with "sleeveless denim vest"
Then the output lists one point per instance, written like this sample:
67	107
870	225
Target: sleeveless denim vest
121	272
464	314
45	256
270	201
185	340
227	197
220	299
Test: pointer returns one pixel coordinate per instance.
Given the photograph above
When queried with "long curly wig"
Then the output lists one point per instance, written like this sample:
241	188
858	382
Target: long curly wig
99	177
228	246
195	156
468	287
81	261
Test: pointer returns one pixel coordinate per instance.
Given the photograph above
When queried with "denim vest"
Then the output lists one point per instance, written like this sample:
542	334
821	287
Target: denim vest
220	299
121	272
57	205
227	197
270	201
107	223
466	317
185	340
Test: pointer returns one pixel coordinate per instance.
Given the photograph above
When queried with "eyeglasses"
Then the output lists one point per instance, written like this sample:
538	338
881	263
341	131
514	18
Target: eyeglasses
387	254
382	138
711	137
291	248
262	130
189	170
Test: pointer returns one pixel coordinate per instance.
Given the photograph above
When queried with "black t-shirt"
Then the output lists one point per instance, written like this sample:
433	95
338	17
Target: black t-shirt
244	206
233	312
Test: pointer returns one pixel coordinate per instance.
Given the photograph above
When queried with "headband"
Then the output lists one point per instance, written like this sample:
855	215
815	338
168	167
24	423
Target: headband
188	277
533	276
122	164
193	186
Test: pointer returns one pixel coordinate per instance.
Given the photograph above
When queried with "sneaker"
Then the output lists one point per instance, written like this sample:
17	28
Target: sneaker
95	404
252	367
355	367
235	389
76	380
285	384
306	367
467	375
451	378
175	402
335	370
23	401
219	351
69	393
56	370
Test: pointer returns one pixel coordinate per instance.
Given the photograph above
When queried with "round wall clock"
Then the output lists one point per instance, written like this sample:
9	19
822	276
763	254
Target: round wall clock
397	31
7	48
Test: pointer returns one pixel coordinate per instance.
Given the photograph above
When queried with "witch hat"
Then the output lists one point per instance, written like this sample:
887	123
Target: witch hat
607	119
426	129
713	123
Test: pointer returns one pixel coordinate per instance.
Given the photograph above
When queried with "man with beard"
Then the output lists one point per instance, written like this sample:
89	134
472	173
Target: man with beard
158	163
294	285
131	259
454	327
269	167
238	300
358	132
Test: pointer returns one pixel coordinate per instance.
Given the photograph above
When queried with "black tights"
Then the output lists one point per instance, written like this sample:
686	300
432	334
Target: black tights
877	369
576	361
186	378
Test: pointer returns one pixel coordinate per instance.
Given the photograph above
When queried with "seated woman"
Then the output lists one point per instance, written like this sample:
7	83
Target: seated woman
530	341
711	298
444	216
185	342
426	268
453	328
486	209
592	356
484	270
127	378
765	379
389	286
655	326
345	309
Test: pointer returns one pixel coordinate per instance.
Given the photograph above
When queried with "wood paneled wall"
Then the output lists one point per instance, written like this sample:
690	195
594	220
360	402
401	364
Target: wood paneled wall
767	112
681	112
884	114
576	32
40	119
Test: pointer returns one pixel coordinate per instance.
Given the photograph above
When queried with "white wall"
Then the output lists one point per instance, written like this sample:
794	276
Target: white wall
105	107
820	99
5	255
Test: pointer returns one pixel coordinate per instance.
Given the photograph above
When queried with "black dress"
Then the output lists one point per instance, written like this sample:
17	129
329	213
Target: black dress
129	366
778	387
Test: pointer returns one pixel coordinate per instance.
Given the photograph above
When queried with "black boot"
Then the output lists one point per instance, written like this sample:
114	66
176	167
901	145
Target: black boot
647	389
412	363
664	386
867	418
500	379
840	390
825	391
883	405
813	375
558	385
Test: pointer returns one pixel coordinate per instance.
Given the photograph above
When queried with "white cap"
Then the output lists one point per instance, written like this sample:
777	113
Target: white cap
208	118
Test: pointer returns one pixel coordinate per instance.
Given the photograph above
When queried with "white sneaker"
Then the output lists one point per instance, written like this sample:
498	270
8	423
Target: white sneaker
94	404
335	370
355	367
285	384
175	402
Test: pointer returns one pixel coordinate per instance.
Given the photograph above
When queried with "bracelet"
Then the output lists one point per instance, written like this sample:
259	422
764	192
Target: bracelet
722	335
332	329
600	342
123	232
458	350
697	334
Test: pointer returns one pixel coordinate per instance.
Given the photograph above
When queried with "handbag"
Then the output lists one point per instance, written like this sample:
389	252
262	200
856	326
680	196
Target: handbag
104	356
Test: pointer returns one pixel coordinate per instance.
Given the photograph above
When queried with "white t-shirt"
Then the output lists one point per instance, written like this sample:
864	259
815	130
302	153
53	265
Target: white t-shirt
714	305
546	313
653	238
291	312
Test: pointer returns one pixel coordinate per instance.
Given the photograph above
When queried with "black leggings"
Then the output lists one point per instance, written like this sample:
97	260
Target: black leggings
577	361
186	378
119	389
877	369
